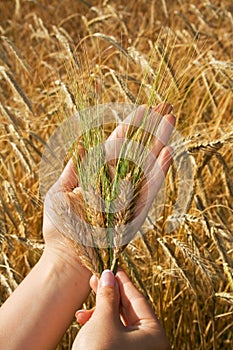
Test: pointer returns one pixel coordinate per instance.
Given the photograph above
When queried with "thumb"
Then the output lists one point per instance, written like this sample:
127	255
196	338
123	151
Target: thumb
108	298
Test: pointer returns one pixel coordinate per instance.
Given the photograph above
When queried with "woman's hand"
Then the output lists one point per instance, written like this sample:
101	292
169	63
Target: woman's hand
144	135
123	319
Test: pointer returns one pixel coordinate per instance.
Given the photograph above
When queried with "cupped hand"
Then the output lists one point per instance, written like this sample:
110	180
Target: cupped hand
155	126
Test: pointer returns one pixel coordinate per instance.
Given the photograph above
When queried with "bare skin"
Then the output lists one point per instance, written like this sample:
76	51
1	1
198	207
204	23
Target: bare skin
123	319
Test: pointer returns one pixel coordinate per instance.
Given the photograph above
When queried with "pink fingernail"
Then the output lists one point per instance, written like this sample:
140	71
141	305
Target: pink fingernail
107	279
79	312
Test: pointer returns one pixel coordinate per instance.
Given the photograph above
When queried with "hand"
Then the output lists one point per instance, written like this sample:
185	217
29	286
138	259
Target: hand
123	319
155	127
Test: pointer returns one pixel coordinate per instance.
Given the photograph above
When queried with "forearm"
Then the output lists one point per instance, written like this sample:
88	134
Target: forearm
40	310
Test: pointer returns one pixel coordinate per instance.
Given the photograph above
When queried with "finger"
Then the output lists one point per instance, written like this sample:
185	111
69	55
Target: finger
69	177
82	316
152	183
94	282
134	119
81	151
150	117
144	117
94	285
163	133
108	299
134	306
114	143
163	108
151	122
160	169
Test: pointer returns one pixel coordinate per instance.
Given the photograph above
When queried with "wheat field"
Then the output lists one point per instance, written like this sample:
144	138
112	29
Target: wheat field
59	56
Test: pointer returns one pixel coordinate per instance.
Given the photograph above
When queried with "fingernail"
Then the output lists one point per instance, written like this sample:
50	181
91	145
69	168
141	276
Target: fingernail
107	279
164	108
79	312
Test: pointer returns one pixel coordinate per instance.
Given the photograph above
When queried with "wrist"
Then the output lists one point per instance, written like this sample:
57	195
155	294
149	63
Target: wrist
66	264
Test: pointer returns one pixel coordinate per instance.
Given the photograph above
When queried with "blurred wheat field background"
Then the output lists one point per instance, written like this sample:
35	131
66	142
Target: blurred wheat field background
59	56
